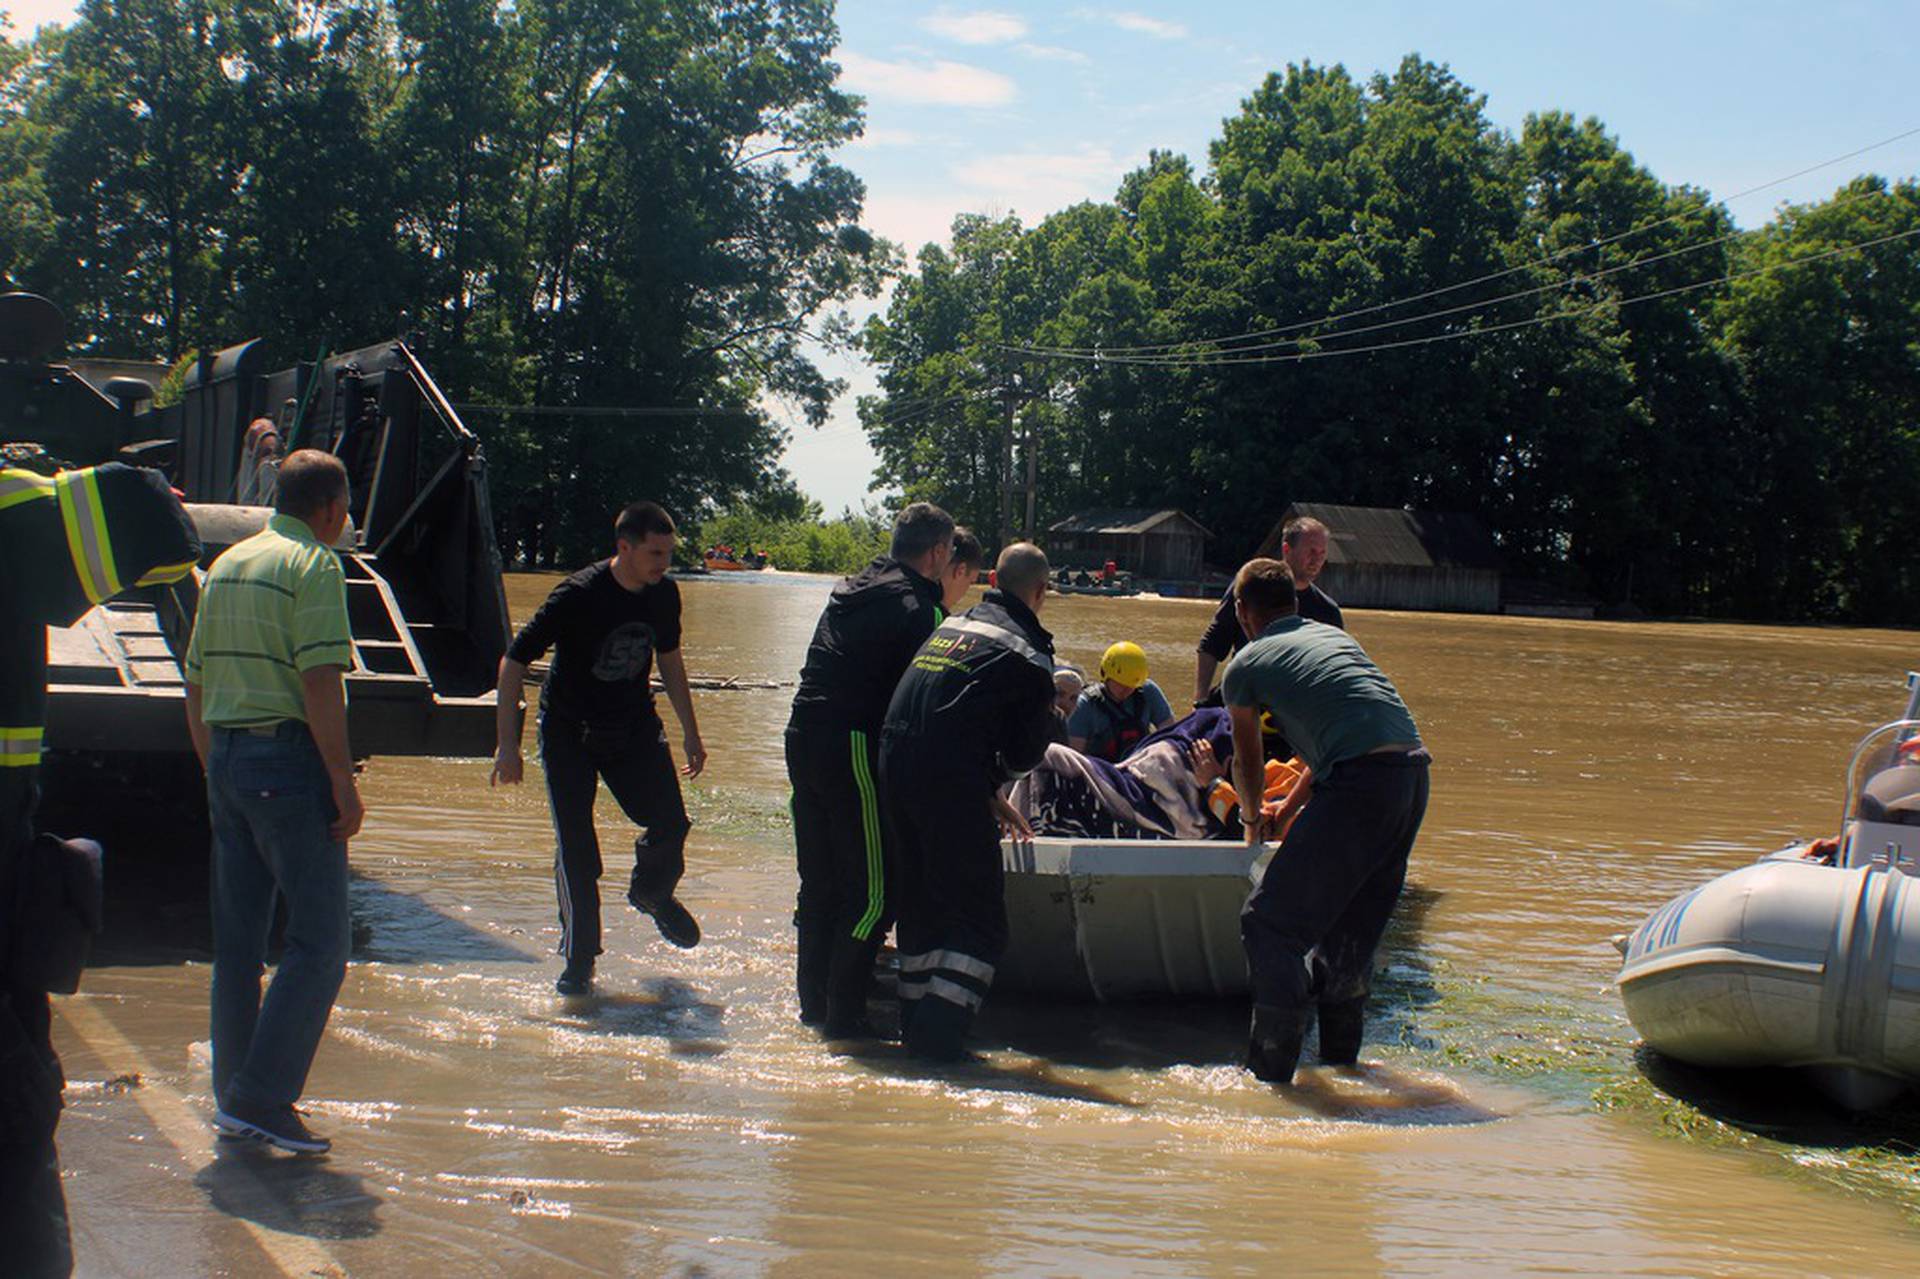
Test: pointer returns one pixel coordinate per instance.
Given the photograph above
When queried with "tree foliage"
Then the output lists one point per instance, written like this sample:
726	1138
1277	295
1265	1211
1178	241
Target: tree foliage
1640	402
566	202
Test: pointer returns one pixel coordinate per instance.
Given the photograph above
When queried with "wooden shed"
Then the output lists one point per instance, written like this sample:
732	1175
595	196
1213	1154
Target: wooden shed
1380	558
1153	544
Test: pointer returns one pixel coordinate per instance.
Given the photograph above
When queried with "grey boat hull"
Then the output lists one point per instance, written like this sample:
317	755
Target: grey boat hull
1787	963
1118	919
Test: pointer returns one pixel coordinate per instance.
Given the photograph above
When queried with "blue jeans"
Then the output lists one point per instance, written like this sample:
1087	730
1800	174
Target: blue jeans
271	804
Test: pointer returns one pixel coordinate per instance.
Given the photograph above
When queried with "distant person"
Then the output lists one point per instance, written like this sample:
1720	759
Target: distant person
972	712
1115	715
1068	683
267	709
1303	548
1313	924
606	624
259	464
67	543
872	625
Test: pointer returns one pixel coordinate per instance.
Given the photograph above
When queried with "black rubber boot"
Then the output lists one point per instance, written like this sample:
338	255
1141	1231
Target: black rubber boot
810	973
1342	1025
937	1030
849	983
1273	1043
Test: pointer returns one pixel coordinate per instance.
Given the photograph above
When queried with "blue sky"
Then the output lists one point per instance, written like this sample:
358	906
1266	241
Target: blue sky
1029	107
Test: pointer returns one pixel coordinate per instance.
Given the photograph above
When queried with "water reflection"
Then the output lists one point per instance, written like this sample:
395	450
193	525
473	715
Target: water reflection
297	1196
680	1120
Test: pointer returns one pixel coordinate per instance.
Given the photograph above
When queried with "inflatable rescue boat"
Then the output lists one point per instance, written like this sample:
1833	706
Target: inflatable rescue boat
1809	958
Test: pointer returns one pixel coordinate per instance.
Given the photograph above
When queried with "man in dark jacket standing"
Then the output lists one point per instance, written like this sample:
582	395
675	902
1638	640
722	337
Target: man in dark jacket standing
1303	549
873	624
973	712
67	542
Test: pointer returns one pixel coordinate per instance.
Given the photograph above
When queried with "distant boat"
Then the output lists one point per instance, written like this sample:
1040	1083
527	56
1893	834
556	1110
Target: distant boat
719	562
1082	582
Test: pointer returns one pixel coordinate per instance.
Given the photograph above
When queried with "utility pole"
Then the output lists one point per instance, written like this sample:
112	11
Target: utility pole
1006	468
1033	467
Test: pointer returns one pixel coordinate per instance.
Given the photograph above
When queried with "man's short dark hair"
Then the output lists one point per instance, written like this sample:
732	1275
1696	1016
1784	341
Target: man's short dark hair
920	528
1290	531
1022	567
966	548
309	479
641	520
1265	587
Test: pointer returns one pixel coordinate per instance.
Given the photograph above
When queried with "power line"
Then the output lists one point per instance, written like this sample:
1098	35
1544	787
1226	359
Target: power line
601	410
1487	303
1222	359
1464	284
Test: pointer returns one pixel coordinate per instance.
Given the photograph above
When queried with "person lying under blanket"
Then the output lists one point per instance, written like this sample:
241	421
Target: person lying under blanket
1171	786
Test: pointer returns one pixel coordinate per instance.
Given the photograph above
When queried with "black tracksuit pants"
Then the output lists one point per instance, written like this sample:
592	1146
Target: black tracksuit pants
842	844
951	887
1313	924
637	767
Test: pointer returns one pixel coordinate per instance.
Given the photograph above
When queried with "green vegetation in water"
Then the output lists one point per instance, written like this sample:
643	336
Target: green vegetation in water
732	810
1474	1024
1774	1113
793	534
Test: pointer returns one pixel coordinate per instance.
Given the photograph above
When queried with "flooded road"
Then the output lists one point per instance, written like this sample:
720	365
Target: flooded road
683	1122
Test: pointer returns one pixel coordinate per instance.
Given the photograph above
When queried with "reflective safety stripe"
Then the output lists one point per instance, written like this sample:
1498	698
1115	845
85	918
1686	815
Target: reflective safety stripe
1000	635
953	961
954	993
86	520
870	832
22	486
19	747
166	573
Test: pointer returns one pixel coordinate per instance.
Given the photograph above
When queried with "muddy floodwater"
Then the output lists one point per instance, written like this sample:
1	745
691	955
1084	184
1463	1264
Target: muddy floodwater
682	1122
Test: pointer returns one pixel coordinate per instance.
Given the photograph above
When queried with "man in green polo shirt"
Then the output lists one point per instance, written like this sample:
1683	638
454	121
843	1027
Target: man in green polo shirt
266	705
1312	925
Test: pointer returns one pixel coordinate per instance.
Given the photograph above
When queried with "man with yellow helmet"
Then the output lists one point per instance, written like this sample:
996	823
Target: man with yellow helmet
1112	716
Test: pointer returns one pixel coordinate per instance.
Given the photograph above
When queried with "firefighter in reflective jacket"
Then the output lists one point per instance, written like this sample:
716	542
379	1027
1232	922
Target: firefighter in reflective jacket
973	712
67	542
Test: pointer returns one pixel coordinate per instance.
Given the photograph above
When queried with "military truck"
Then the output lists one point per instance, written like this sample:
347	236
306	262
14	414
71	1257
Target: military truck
423	571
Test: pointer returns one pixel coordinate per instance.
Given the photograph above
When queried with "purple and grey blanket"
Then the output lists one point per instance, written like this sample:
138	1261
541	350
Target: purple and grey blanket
1150	794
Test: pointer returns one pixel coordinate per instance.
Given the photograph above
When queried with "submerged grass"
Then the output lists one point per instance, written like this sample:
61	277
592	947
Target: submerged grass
1589	1056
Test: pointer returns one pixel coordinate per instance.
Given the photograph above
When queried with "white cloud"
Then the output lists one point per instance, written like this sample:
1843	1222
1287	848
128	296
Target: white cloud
913	221
1035	183
938	83
978	26
30	14
1140	23
1050	53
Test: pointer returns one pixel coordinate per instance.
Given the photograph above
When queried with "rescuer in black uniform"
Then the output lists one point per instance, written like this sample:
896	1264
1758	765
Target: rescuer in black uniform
873	624
973	712
67	542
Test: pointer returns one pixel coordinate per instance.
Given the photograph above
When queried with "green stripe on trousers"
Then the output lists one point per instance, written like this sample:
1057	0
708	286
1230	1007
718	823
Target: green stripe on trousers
870	825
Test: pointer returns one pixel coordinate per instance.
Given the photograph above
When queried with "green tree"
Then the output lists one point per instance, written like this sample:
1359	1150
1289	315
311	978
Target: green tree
1830	368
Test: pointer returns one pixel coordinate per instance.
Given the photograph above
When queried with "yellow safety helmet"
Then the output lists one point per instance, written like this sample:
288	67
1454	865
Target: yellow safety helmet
1125	663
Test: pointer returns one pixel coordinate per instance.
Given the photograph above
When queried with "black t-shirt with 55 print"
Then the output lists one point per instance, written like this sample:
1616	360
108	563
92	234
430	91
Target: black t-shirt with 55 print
603	638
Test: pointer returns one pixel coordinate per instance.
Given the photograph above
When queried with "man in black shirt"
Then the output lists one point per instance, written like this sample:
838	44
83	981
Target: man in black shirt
973	712
606	624
873	624
1303	548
